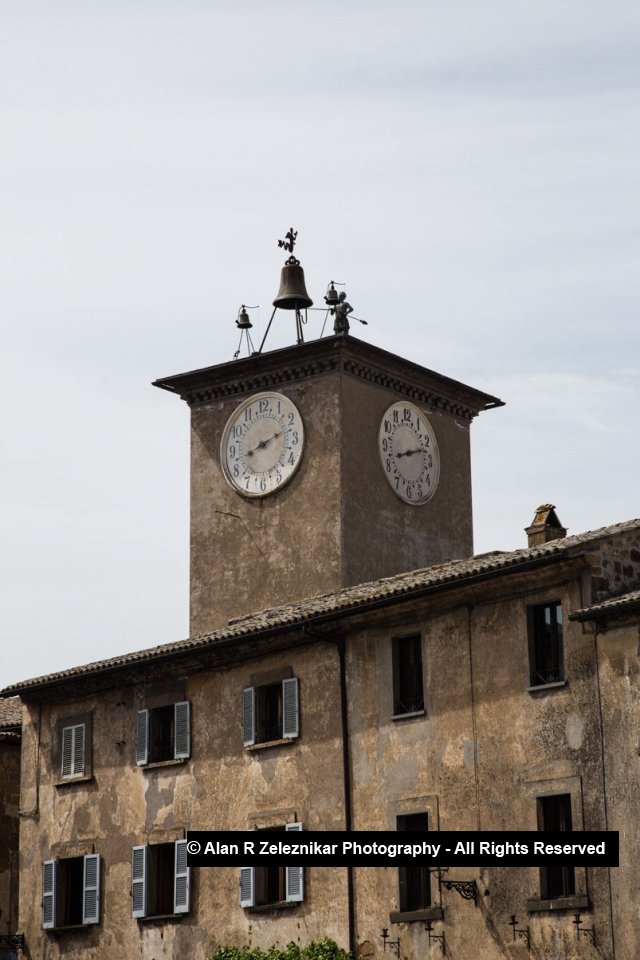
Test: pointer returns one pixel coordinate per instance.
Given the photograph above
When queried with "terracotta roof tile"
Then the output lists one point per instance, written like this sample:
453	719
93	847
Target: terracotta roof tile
623	603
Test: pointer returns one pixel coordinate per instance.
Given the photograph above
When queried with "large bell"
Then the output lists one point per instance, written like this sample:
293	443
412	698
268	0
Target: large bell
292	294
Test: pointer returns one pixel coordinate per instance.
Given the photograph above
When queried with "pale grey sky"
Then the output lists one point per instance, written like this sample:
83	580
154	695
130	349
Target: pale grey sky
471	171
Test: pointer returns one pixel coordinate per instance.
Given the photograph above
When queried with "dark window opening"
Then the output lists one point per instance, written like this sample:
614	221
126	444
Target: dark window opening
160	879
69	891
161	734
408	692
554	814
270	882
269	713
414	882
546	658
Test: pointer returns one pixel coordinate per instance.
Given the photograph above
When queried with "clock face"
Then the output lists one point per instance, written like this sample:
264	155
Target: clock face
409	453
262	444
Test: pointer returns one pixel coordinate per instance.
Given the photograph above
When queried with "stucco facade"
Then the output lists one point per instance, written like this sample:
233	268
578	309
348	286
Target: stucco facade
10	726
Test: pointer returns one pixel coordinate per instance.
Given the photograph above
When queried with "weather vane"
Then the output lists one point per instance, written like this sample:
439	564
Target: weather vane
289	241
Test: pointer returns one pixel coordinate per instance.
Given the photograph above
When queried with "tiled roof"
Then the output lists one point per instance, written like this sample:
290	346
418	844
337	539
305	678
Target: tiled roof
621	604
346	601
10	713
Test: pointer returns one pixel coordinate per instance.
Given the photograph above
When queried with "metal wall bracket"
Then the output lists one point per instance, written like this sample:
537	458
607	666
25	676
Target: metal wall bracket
435	937
589	932
468	889
520	934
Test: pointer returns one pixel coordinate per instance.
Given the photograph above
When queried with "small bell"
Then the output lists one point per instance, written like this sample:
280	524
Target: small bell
242	320
331	296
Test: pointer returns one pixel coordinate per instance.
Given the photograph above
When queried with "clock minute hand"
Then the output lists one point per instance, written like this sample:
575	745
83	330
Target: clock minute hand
262	444
409	453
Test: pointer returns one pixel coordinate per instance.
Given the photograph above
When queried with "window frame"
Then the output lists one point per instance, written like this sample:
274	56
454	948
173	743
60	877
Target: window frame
546	676
73	722
400	664
418	873
253	712
87	892
565	874
180	736
142	882
290	879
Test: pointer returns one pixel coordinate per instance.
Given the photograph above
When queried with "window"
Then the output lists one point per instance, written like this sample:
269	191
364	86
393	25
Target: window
261	886
159	880
72	750
545	644
71	892
554	813
270	712
163	733
414	882
408	692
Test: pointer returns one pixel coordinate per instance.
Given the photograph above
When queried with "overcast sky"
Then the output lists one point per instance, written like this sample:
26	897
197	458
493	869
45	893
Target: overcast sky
471	170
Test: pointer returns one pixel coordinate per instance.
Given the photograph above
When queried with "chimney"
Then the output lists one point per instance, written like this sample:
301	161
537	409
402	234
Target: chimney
545	526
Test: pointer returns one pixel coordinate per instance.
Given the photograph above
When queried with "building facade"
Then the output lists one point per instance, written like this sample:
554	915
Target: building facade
472	692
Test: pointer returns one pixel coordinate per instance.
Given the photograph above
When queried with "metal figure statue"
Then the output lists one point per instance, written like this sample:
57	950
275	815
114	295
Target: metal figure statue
341	313
289	240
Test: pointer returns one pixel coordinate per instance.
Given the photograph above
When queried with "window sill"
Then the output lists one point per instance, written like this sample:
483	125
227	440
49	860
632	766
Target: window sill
284	741
163	763
162	918
409	716
71	926
84	778
541	687
267	907
413	916
578	902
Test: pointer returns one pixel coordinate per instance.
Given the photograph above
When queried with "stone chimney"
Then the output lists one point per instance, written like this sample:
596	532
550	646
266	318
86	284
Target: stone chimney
545	526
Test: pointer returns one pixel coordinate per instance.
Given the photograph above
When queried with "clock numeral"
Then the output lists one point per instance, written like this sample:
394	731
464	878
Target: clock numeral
278	477
387	426
396	416
291	458
406	413
291	418
429	461
236	470
263	484
248	414
387	465
295	438
237	431
232	451
385	445
264	405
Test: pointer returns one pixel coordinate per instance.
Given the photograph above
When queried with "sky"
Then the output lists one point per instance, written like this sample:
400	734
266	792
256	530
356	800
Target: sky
469	170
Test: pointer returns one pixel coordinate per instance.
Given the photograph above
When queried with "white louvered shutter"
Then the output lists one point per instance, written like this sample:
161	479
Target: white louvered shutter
290	711
142	737
91	889
249	716
139	881
49	871
78	750
294	875
67	751
182	730
247	886
181	879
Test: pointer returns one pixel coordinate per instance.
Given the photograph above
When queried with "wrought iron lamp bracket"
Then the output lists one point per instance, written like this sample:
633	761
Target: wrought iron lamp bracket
394	945
468	889
589	932
520	934
435	937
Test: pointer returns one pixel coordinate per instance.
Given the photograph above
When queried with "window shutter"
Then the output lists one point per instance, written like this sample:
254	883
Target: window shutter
67	751
182	730
78	750
290	713
247	886
294	875
139	881
181	879
249	716
142	737
91	889
49	870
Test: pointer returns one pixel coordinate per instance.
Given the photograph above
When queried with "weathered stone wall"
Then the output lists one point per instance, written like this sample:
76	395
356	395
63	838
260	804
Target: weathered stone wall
222	786
9	806
615	565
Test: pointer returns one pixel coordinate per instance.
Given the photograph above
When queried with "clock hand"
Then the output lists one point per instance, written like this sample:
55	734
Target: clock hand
262	444
409	453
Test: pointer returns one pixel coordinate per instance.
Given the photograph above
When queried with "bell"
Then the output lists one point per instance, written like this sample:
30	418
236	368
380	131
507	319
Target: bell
242	320
331	296
292	294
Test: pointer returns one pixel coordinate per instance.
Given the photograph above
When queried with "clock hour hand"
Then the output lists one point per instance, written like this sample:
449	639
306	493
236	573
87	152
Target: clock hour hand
262	444
409	453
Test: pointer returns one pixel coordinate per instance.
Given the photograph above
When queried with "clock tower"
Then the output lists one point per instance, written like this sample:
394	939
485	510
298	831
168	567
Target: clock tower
320	466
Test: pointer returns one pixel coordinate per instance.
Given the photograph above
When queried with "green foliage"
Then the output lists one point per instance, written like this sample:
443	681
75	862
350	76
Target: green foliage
325	949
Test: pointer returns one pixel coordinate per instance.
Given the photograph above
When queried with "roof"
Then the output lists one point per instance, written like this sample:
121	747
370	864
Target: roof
348	601
10	714
624	603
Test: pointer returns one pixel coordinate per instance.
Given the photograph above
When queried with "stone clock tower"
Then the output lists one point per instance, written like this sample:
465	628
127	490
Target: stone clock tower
320	466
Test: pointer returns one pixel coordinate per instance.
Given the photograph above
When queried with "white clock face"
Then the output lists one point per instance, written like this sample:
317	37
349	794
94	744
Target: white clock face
409	453
262	444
